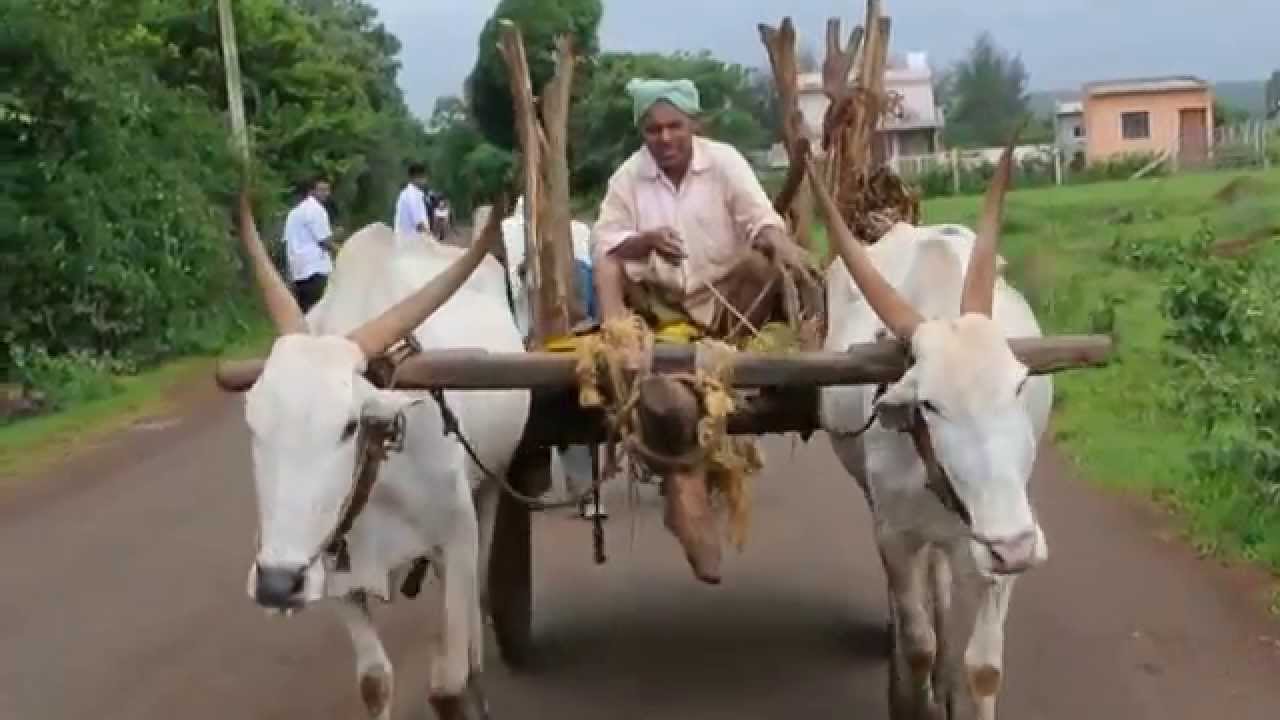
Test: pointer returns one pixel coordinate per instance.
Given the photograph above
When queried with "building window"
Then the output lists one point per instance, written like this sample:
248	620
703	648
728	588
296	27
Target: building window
1135	125
1078	131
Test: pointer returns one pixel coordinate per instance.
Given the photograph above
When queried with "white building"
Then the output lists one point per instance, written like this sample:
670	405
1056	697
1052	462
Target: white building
916	129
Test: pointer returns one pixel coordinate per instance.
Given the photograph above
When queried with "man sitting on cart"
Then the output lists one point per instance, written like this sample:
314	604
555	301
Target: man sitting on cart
687	234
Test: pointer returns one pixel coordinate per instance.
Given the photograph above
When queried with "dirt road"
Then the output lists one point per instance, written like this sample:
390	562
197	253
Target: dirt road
124	599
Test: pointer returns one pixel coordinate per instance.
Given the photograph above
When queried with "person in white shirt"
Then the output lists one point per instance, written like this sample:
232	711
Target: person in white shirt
575	460
308	241
411	207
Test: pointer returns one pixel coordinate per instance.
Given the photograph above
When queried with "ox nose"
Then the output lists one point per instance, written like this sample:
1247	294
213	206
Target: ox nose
279	587
1013	554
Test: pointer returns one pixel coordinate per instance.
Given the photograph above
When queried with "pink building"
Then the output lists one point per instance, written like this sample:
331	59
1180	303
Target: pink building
1150	115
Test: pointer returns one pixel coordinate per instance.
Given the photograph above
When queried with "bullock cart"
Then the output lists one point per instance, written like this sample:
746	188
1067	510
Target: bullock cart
769	392
778	394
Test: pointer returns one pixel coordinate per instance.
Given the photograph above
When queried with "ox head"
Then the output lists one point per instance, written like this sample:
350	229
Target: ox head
306	405
960	398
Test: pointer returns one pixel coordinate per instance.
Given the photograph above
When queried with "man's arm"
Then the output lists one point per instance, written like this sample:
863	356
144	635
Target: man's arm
753	215
318	223
617	233
421	220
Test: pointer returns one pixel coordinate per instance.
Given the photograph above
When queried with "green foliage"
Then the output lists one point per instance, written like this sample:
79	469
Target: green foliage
1187	411
540	22
985	95
1225	115
117	177
468	169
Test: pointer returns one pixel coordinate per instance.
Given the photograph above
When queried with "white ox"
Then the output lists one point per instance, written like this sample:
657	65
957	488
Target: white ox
946	468
305	412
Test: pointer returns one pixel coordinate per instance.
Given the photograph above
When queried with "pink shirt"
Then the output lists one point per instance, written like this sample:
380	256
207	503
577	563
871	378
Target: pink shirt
718	211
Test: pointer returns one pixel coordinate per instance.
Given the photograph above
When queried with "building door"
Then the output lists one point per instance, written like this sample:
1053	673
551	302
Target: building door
1193	137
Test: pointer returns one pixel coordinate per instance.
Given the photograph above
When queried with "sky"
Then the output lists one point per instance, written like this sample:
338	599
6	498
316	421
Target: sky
1064	43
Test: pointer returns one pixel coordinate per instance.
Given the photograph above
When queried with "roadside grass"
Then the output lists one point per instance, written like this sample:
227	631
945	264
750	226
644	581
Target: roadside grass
1116	422
30	445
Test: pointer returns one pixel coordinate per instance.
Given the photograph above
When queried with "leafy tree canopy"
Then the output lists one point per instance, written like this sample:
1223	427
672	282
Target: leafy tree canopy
985	95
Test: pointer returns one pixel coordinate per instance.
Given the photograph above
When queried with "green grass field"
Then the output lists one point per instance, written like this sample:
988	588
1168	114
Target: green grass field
1113	421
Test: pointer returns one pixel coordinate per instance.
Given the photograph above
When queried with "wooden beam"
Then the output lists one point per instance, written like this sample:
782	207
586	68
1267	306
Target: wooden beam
862	364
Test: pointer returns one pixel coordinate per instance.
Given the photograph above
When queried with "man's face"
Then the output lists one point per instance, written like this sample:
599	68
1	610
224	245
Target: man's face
419	180
668	133
321	191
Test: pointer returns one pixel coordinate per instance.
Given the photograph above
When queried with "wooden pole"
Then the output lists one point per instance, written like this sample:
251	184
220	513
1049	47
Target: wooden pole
557	229
511	46
867	363
543	143
794	201
235	85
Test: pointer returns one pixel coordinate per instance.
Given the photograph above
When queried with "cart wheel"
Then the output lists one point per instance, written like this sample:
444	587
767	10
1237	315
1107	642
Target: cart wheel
511	565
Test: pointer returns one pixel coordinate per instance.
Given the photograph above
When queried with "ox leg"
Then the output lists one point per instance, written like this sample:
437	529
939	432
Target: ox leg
486	498
906	562
983	658
373	669
459	658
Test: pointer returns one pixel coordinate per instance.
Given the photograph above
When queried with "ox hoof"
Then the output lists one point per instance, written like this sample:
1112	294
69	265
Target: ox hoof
470	705
375	691
985	681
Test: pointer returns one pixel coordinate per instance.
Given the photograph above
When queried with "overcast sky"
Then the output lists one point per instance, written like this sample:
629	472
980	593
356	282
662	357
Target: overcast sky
1064	43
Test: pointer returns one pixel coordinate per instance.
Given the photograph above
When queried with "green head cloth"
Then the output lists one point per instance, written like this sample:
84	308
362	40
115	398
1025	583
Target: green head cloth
682	94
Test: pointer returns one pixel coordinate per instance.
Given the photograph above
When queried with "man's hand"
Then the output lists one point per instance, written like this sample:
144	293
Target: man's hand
781	249
664	241
667	243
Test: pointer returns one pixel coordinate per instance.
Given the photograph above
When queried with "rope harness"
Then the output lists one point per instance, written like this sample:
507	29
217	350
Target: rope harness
936	478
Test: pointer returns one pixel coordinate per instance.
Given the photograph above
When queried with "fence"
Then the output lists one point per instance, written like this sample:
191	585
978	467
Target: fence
1246	145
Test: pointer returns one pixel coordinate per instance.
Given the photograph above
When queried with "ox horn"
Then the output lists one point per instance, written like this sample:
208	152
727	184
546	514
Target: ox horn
281	306
980	279
892	308
380	333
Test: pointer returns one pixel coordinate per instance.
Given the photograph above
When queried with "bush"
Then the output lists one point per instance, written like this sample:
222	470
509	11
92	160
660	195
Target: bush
1223	326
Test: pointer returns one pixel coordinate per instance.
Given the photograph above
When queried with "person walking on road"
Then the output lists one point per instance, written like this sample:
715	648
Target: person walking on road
412	217
308	240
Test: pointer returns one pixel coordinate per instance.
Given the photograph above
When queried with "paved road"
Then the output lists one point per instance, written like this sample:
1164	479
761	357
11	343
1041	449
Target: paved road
124	598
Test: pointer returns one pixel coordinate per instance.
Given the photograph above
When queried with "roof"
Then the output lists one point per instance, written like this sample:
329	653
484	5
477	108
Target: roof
1168	83
1071	107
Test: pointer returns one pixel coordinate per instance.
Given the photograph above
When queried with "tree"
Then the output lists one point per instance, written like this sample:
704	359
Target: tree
540	22
118	176
1225	115
985	96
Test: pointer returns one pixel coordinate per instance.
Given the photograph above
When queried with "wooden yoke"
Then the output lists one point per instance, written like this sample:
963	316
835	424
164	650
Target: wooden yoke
554	305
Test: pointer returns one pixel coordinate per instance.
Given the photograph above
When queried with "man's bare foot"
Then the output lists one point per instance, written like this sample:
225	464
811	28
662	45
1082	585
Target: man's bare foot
689	518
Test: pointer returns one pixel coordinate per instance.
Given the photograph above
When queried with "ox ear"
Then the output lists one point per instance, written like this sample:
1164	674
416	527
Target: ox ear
385	405
897	407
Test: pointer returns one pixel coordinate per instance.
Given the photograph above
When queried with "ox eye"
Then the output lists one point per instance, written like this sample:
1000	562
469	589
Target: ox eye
350	430
1022	385
929	407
